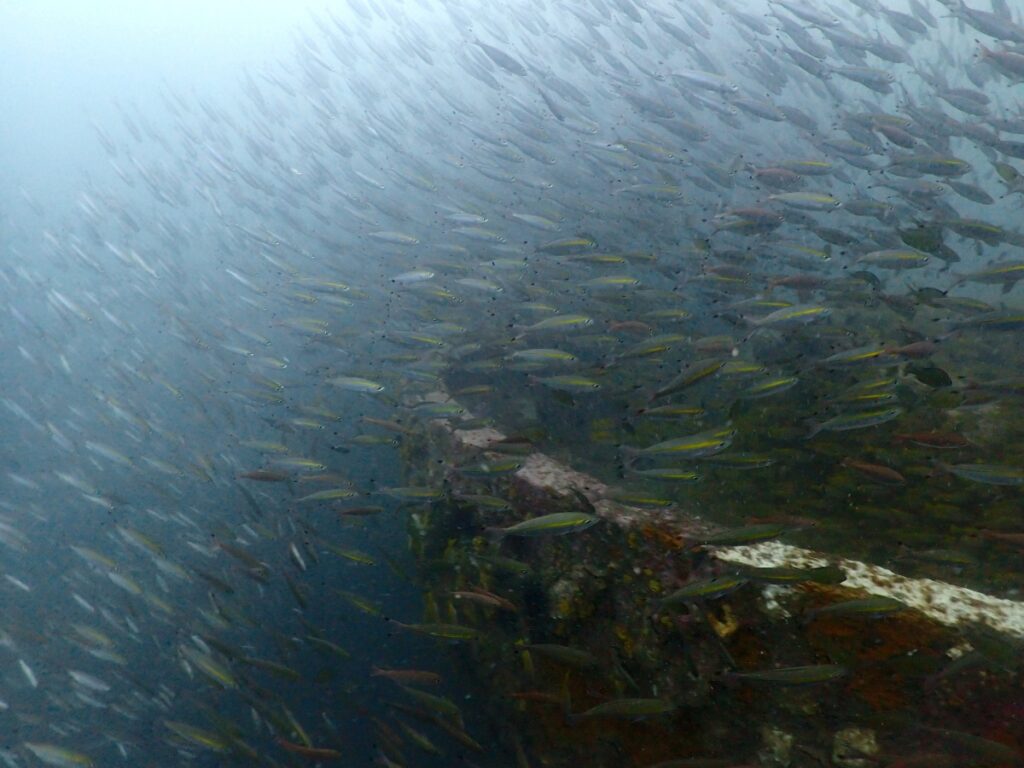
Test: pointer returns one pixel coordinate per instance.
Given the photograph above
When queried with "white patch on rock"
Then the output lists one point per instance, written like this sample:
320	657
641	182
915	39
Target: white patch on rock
945	603
477	438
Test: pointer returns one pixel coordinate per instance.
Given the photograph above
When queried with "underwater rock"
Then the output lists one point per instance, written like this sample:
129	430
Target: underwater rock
945	603
600	592
541	476
776	748
854	748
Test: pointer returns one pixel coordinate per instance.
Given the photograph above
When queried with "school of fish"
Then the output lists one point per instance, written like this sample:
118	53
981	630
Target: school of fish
761	260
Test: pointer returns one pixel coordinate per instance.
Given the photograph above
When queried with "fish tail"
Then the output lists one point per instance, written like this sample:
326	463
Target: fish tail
495	534
566	697
815	428
629	455
728	679
749	336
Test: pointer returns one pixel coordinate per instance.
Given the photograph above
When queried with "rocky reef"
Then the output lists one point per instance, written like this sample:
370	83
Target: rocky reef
658	636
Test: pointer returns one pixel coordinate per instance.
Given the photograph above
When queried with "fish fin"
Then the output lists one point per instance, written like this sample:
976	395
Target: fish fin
588	507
